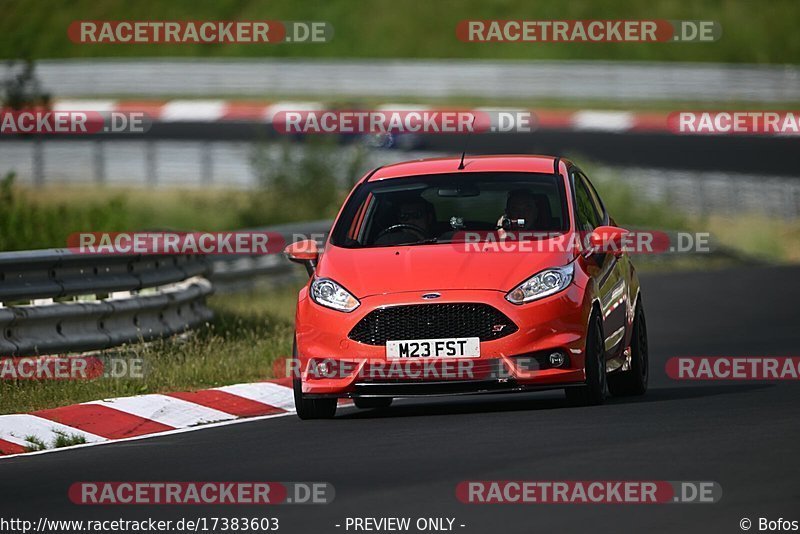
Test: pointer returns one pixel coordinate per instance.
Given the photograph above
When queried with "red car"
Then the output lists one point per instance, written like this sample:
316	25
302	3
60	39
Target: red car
468	275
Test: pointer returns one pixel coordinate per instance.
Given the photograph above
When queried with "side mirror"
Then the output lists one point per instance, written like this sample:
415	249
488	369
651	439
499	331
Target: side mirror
304	252
608	239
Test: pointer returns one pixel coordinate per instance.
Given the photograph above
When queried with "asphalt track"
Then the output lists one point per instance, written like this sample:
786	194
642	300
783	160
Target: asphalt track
406	461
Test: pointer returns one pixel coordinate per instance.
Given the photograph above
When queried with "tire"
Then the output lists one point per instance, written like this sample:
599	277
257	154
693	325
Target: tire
365	403
593	392
310	408
634	380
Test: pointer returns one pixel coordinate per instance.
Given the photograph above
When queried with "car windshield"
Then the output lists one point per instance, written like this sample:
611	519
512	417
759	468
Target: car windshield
431	209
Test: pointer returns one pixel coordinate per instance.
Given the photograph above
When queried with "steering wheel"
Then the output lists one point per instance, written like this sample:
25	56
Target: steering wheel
420	233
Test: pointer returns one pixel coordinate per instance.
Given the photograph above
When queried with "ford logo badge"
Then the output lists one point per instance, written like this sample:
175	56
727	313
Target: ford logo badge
430	296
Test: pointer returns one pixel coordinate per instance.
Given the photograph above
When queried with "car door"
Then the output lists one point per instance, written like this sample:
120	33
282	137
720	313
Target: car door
607	271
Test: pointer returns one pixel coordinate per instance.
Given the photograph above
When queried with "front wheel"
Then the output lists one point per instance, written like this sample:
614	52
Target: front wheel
310	408
634	380
593	392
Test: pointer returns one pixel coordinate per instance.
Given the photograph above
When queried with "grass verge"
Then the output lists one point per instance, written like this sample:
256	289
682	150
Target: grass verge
416	28
44	217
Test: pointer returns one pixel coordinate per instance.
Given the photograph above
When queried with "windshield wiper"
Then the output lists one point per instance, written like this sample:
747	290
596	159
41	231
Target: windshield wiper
409	244
421	242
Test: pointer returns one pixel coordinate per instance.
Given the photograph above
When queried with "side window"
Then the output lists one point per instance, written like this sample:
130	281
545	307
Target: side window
598	204
587	216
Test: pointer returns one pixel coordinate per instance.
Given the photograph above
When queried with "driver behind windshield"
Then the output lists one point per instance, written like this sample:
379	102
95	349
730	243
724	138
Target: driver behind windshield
522	211
414	222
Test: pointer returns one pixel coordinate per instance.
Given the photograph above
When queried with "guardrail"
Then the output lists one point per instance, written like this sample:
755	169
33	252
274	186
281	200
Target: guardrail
427	78
236	273
56	301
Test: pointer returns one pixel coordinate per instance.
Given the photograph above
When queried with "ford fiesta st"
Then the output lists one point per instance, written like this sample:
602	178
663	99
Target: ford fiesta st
468	275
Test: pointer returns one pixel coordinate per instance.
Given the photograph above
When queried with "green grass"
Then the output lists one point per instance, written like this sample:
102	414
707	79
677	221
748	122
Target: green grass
67	440
35	444
62	439
775	240
249	332
44	217
753	32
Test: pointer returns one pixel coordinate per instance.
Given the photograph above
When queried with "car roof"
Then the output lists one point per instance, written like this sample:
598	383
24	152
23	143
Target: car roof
510	163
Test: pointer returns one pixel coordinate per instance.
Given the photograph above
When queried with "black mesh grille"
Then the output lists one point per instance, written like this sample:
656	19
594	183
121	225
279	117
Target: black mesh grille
432	321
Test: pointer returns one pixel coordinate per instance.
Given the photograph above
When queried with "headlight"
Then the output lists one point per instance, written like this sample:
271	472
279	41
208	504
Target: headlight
542	284
328	293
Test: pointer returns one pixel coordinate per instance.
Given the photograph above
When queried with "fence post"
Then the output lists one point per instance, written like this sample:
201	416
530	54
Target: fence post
151	164
38	163
99	162
206	164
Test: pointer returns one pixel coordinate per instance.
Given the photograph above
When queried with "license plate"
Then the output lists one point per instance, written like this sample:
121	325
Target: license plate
463	347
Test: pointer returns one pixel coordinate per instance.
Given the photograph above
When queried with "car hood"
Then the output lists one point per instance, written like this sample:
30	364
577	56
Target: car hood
382	270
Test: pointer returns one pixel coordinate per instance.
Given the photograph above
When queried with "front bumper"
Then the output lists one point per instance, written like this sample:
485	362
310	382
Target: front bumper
507	364
440	389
